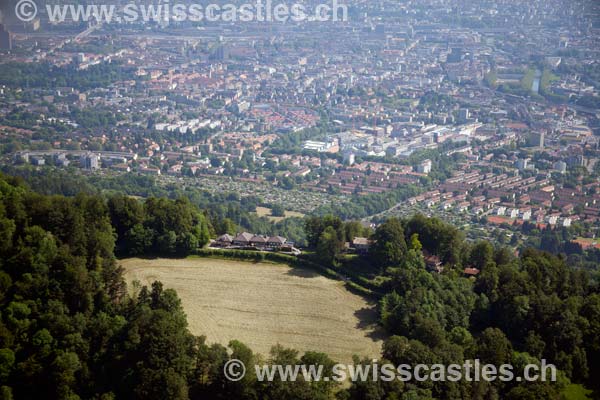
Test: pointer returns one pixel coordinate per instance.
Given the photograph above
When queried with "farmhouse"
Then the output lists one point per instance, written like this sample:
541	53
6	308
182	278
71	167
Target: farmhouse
361	244
224	240
246	239
243	239
276	241
258	241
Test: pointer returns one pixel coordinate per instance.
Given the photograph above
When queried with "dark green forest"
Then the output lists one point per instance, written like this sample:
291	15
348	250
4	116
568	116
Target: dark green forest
225	212
48	76
518	310
70	330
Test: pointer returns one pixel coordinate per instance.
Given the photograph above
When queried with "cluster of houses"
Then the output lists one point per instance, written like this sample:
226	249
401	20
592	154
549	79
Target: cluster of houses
360	245
252	241
249	240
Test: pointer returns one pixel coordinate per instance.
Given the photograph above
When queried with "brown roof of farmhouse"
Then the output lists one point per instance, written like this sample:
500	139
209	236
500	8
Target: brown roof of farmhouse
243	237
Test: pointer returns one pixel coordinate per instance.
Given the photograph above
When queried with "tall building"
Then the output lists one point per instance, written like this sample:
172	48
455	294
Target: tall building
90	161
523	163
5	38
576	160
349	158
560	166
536	139
424	167
221	53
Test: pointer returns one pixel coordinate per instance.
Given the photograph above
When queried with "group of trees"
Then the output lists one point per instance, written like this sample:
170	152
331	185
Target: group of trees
68	324
329	234
157	225
546	308
490	347
58	294
224	212
518	310
360	206
69	330
89	118
44	75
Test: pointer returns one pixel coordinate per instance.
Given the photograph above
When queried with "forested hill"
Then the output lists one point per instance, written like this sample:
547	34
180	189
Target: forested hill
69	330
513	309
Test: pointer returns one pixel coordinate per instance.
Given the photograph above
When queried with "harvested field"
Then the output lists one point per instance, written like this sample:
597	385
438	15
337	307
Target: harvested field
265	304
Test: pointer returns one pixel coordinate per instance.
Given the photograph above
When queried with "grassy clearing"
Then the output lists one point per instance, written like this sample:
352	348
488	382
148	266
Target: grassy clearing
265	304
266	212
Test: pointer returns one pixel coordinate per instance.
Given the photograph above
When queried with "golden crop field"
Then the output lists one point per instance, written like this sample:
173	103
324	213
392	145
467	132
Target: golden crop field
265	304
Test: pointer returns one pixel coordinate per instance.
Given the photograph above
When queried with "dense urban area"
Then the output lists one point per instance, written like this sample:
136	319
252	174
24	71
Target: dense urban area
438	157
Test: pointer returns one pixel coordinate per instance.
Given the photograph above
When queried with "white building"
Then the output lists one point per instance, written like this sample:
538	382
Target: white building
320	147
424	167
90	161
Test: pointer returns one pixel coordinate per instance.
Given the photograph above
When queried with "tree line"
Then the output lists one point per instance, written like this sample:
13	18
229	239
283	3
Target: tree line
224	212
68	323
518	310
69	329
